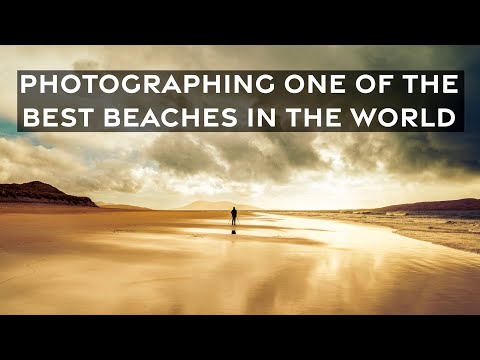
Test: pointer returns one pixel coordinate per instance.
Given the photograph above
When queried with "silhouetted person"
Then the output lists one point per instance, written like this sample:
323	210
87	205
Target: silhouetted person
234	216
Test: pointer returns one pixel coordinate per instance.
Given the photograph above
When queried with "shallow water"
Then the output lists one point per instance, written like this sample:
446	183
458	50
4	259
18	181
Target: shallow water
277	264
272	264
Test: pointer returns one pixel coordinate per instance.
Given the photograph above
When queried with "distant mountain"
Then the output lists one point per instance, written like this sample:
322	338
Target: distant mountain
216	205
120	206
38	192
462	204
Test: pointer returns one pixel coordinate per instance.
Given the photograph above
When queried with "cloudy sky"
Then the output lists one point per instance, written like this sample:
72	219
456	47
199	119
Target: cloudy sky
269	170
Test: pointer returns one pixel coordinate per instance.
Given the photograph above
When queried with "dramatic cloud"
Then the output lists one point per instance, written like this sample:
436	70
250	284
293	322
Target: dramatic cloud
183	155
276	168
412	154
21	161
237	157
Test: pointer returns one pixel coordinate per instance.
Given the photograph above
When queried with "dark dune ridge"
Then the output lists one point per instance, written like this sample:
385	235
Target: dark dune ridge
462	204
38	192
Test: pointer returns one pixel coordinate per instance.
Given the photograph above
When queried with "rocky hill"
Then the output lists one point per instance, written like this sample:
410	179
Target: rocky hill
120	206
38	192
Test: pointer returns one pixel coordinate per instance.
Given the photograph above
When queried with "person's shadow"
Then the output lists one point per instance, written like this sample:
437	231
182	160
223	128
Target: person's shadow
234	232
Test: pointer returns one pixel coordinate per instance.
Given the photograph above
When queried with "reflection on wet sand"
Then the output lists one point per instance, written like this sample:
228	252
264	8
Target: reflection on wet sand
276	264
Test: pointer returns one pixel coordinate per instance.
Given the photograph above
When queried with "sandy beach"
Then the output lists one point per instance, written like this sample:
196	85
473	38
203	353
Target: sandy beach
74	260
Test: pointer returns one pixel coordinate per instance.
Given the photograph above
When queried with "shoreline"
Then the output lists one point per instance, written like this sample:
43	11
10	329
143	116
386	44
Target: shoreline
434	227
457	233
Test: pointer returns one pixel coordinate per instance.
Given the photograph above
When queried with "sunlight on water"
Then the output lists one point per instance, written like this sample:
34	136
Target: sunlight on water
285	264
268	264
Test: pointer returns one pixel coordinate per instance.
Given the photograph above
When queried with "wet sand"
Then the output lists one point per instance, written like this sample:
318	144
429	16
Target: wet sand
61	260
455	229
